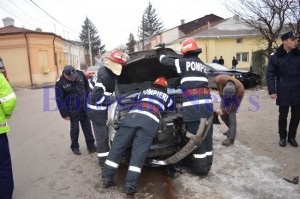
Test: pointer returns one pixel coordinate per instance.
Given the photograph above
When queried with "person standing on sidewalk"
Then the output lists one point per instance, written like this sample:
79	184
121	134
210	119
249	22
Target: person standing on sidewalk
231	92
283	81
102	87
234	63
7	104
71	93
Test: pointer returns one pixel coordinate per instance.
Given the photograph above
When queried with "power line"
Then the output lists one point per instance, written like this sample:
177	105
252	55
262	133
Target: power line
53	17
12	13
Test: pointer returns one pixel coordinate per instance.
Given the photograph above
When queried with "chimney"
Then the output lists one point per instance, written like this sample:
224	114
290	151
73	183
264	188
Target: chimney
182	21
8	21
38	29
236	18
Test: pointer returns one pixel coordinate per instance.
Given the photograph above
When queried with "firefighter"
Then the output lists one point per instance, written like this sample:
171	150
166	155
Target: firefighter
139	127
197	102
231	92
7	103
71	91
102	86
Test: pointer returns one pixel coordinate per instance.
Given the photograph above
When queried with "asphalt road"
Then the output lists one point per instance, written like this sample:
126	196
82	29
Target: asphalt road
45	168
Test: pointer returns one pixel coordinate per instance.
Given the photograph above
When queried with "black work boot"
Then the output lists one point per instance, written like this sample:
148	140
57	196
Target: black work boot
130	190
92	149
107	182
76	151
282	142
293	142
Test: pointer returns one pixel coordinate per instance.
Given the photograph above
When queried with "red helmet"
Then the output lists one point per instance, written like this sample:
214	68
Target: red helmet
189	45
162	81
118	56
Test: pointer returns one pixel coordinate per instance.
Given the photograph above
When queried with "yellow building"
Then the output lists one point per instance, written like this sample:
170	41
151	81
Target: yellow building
229	38
32	58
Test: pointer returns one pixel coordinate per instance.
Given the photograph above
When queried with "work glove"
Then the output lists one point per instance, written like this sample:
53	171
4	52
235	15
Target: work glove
159	49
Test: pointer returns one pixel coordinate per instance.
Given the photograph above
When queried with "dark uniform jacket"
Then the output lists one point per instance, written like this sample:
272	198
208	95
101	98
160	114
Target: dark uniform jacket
146	114
221	81
71	96
192	72
283	76
102	86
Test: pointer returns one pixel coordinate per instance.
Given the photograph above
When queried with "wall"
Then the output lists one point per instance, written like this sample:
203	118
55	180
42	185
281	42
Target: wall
14	54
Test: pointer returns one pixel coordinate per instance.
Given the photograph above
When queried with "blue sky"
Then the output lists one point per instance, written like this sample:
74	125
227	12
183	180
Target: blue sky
114	20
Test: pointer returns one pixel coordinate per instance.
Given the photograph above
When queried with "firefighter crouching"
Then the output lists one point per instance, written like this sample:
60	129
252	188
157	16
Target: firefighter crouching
139	127
197	102
102	86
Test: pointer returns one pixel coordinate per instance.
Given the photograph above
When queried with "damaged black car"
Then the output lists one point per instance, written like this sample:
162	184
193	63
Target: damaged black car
170	145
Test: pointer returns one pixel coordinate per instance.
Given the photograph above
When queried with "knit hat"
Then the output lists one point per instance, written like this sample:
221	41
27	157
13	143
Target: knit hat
229	89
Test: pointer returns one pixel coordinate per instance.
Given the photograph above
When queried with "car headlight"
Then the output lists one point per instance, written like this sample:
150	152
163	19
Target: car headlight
238	76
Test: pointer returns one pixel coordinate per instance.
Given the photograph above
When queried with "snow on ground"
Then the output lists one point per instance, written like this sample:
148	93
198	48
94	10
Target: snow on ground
237	174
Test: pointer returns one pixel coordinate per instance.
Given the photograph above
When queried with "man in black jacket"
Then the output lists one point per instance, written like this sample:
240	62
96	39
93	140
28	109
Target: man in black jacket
283	81
71	92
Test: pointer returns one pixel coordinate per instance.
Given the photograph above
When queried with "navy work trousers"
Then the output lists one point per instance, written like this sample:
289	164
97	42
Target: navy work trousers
6	175
87	131
294	121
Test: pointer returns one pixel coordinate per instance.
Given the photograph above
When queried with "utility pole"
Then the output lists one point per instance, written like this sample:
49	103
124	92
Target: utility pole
90	48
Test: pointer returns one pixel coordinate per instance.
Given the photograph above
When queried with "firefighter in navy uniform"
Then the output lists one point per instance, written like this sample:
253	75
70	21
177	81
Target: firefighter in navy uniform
71	93
102	86
197	102
139	127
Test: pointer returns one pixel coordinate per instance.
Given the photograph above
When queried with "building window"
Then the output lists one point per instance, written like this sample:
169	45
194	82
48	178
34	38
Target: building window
242	57
239	41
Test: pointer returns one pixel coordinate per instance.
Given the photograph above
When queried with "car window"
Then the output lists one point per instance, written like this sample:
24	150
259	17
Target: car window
217	67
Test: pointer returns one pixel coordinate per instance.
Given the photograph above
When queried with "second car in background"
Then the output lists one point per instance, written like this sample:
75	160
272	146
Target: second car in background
248	79
90	71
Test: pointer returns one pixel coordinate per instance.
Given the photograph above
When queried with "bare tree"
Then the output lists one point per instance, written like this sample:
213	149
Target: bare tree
269	17
294	17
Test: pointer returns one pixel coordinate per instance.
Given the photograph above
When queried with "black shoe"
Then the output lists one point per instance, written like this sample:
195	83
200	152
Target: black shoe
282	142
92	149
107	183
130	190
293	142
76	151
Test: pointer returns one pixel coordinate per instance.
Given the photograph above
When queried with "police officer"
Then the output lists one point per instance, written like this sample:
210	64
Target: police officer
197	102
102	86
283	81
139	127
7	104
71	92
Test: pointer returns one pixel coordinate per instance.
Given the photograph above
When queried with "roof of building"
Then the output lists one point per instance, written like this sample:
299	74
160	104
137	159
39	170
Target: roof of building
232	27
13	30
198	23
